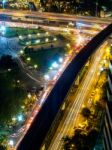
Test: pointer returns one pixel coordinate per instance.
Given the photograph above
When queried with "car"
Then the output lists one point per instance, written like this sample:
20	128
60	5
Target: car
41	88
34	89
30	67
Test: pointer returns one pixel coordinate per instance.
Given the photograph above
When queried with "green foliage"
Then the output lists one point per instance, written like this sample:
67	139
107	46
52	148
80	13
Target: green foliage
6	62
86	112
77	6
11	92
2	147
16	31
81	140
43	57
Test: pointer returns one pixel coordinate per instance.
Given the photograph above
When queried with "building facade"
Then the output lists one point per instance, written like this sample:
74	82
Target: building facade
107	130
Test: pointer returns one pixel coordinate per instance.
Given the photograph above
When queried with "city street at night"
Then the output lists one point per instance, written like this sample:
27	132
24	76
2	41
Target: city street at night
55	75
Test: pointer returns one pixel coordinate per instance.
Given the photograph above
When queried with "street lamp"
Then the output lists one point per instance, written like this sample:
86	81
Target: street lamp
11	143
29	95
47	33
3	29
96	8
55	39
21	52
35	66
55	65
20	118
60	59
46	40
46	77
3	3
28	59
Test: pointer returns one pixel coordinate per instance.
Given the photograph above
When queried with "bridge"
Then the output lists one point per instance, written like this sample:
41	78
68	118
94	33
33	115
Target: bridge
42	122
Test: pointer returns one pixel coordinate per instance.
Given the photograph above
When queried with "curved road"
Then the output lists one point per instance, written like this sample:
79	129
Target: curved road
67	124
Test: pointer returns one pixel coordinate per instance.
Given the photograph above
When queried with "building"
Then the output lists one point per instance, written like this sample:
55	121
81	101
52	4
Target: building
107	130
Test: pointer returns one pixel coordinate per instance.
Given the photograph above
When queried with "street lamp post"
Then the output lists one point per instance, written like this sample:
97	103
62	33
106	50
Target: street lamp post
3	3
96	8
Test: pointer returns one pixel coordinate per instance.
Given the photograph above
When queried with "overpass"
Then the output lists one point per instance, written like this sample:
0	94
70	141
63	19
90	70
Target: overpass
40	126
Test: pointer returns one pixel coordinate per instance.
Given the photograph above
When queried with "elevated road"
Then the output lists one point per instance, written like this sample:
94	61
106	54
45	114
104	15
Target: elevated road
67	124
17	136
40	126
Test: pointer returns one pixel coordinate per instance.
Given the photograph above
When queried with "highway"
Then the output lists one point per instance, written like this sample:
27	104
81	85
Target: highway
47	93
21	133
68	122
55	16
44	95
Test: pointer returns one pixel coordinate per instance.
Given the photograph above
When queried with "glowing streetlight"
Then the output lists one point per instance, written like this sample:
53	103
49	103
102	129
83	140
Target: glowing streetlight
47	33
38	34
50	68
55	39
20	37
55	65
9	69
46	40
11	143
60	60
29	35
35	66
101	69
37	41
28	59
68	45
22	107
3	3
20	118
3	28
14	119
29	95
28	43
21	52
46	77
18	81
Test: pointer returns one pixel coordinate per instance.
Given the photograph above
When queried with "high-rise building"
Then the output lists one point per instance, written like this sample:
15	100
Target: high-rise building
107	130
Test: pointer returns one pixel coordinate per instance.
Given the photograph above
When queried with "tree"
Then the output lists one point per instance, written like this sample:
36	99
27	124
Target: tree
11	92
86	112
92	137
67	142
7	62
2	147
79	139
98	106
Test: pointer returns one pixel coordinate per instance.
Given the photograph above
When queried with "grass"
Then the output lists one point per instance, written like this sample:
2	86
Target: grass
33	40
16	31
44	57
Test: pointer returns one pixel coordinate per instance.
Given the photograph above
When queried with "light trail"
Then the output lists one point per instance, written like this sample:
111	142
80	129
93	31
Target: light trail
55	16
70	118
47	91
